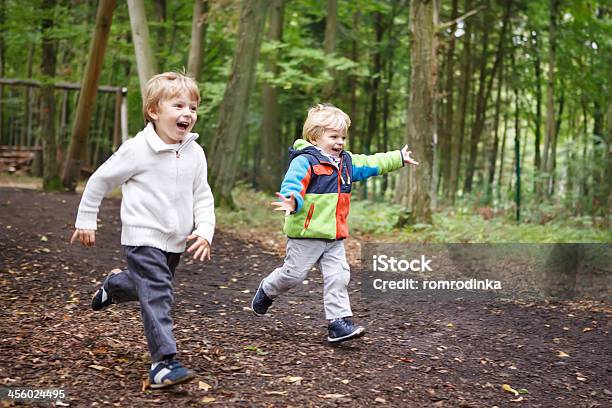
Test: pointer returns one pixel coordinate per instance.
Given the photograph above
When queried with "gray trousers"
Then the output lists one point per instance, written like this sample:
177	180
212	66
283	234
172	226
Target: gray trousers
148	279
302	255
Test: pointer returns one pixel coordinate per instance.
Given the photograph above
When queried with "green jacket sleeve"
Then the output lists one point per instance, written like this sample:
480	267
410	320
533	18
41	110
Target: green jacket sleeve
365	166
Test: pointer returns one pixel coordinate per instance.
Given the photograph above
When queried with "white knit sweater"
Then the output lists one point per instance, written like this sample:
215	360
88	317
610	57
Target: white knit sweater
165	192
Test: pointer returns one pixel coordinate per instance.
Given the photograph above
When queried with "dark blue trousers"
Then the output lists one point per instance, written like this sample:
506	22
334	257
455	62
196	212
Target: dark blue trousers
148	279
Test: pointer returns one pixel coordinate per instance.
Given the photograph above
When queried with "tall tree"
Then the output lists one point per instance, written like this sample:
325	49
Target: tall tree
484	91
494	148
2	65
89	89
145	60
234	107
446	135
517	138
269	174
47	92
538	116
415	186
329	43
550	83
464	90
198	36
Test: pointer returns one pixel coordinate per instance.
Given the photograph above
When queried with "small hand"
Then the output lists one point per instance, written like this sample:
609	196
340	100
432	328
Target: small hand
407	158
86	236
200	246
286	204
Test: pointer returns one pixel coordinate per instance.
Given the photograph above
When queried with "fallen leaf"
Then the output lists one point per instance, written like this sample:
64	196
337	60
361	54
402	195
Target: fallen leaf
204	386
523	391
276	392
145	384
97	367
562	354
293	380
508	388
344	381
450	325
587	329
332	396
380	400
519	399
207	400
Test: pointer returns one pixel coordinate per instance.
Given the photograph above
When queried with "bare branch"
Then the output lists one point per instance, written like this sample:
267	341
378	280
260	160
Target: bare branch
458	19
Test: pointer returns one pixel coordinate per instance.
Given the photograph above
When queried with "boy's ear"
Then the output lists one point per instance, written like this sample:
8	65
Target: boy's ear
152	113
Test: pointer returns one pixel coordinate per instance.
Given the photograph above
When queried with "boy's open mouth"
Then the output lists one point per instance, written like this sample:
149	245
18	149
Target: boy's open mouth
183	125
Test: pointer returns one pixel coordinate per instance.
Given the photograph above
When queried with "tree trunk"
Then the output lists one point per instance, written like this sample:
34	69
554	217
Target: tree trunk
47	112
538	118
329	43
446	139
484	92
517	144
2	64
606	193
553	148
502	154
493	153
25	129
415	185
372	131
270	171
466	72
87	98
599	160
234	108
353	79
198	36
161	11
550	82
145	60
389	57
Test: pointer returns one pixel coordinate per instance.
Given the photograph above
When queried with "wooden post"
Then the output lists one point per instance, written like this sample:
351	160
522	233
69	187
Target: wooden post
88	94
145	61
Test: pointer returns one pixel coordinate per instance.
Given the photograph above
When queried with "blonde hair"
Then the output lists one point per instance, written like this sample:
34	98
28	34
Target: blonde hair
166	86
324	116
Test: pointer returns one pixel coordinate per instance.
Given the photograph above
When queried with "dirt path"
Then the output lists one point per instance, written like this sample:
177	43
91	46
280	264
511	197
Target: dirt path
415	354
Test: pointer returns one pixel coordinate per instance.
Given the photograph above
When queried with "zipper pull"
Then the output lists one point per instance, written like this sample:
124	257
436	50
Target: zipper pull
178	155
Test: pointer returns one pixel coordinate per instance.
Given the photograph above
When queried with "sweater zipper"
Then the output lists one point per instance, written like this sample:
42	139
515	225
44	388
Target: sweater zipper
308	218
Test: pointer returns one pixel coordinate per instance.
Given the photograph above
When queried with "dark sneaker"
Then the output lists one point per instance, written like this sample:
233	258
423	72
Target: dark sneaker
343	329
261	302
102	299
169	372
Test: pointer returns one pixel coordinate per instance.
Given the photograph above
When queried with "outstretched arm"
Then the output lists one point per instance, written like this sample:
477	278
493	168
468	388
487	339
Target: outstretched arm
296	182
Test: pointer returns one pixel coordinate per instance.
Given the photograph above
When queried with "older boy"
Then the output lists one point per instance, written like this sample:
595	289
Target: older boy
316	195
162	173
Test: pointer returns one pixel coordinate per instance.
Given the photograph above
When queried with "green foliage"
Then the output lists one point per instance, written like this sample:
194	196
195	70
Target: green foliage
376	222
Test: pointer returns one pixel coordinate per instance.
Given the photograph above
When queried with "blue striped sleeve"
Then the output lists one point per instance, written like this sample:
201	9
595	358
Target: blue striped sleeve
296	180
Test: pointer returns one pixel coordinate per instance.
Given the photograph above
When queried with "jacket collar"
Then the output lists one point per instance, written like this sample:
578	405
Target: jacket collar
158	145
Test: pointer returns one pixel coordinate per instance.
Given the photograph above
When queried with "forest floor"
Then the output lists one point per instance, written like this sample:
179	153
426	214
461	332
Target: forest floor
415	353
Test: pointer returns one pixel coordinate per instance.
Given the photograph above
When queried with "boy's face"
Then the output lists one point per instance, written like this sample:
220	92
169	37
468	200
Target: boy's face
174	118
331	142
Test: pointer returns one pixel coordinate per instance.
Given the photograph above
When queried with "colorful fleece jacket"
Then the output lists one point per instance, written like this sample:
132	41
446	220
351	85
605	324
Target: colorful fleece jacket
322	189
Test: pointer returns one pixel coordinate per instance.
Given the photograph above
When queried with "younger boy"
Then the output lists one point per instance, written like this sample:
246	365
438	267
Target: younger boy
162	173
316	195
